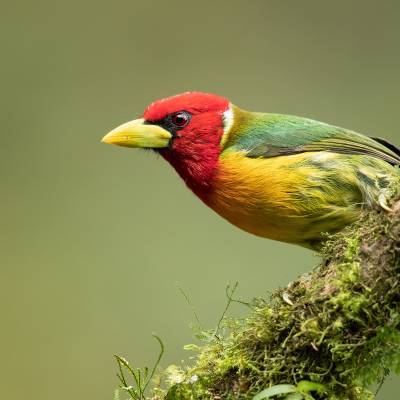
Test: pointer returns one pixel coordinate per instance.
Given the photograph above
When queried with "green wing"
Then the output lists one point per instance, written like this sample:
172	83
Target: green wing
272	135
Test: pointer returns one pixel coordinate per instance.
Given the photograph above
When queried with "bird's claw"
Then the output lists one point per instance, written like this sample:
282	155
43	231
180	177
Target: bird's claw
383	203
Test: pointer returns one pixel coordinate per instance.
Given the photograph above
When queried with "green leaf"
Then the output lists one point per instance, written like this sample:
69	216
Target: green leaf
307	386
275	391
294	396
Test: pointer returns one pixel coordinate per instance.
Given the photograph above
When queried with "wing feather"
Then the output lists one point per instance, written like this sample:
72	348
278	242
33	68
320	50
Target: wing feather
285	135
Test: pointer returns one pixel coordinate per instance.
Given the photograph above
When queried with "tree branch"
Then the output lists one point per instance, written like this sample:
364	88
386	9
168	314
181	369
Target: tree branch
329	334
337	326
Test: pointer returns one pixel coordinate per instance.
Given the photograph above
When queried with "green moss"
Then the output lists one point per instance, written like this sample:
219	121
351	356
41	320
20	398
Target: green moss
337	326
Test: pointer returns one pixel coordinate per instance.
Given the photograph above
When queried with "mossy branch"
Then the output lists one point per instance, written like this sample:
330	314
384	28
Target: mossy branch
327	335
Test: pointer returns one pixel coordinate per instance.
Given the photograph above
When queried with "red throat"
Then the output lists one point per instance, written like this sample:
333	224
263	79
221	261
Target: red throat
195	150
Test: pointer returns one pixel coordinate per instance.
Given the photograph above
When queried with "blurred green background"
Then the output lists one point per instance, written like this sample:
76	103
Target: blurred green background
94	237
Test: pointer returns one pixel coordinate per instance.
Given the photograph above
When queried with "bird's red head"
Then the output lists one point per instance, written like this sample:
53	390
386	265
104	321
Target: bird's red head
185	129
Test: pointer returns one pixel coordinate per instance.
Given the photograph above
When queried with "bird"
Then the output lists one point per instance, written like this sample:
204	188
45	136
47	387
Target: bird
281	177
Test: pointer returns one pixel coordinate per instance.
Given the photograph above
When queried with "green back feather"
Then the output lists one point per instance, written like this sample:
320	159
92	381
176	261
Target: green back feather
271	135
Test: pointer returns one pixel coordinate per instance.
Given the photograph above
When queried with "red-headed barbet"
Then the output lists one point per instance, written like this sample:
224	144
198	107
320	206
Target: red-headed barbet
277	176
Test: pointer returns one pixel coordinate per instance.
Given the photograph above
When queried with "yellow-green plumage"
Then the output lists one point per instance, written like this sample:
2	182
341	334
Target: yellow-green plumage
296	196
278	176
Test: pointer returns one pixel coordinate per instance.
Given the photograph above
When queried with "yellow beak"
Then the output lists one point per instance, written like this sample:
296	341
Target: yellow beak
137	133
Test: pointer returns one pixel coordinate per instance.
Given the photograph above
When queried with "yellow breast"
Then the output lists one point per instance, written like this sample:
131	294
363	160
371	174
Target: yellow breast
275	197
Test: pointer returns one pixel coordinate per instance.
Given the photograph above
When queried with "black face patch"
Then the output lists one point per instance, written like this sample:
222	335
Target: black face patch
173	122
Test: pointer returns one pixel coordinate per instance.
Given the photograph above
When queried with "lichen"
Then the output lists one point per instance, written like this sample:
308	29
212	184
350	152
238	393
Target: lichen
337	326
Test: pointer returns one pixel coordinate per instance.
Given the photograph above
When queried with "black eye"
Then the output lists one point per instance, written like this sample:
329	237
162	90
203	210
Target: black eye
180	119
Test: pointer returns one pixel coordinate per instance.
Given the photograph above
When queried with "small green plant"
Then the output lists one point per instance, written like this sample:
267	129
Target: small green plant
140	377
299	392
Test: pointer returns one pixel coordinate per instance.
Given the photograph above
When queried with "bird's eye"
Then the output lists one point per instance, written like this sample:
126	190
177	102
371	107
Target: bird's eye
180	119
